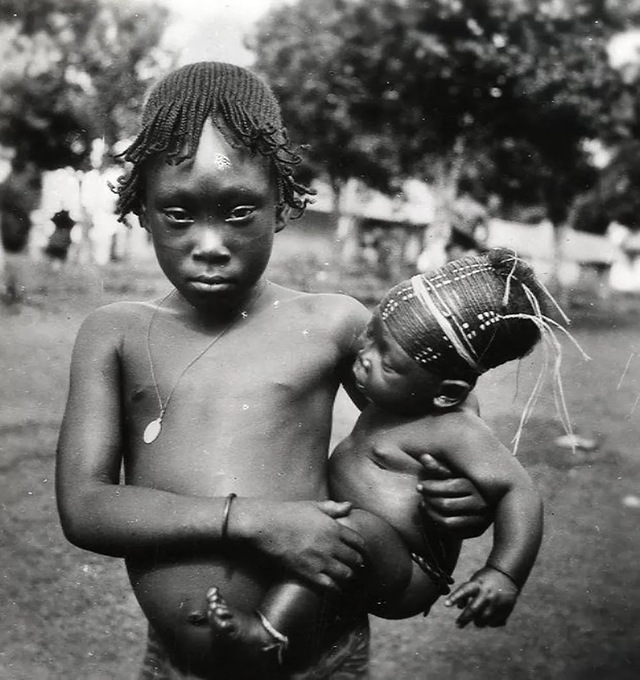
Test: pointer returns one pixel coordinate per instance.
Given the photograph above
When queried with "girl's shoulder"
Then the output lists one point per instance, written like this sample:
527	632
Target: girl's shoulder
114	320
122	312
329	309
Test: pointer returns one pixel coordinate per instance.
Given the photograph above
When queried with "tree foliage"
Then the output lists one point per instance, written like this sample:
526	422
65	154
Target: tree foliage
300	49
616	195
73	70
504	92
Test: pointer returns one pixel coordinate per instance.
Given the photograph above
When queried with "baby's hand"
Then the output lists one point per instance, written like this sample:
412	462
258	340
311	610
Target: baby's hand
487	599
306	538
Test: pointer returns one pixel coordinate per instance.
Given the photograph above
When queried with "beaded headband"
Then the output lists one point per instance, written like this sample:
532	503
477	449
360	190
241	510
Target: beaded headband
474	314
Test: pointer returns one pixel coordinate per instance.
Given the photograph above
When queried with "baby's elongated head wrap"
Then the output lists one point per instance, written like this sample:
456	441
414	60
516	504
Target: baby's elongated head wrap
468	316
477	313
239	104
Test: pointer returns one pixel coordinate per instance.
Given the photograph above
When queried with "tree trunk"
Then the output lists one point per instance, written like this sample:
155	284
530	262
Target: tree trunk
345	227
85	246
557	286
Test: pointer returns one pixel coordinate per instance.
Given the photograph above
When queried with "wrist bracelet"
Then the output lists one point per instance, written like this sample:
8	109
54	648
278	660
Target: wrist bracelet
504	573
225	515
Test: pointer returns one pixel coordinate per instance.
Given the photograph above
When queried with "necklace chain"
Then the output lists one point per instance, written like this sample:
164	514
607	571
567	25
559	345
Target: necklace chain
152	430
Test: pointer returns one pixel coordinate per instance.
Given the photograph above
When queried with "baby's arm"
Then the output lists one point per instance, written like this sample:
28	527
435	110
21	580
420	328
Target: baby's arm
99	514
469	446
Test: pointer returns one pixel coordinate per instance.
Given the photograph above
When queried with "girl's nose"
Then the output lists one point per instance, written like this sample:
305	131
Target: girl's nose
210	246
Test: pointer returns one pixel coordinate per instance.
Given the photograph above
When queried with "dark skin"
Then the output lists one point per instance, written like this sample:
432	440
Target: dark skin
413	414
252	416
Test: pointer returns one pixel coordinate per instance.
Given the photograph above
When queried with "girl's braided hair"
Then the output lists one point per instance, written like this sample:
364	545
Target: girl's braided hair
240	105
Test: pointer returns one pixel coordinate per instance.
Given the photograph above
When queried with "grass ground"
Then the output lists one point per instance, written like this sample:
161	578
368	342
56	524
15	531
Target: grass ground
68	614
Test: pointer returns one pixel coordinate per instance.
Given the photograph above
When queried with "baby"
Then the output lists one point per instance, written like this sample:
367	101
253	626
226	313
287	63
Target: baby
421	354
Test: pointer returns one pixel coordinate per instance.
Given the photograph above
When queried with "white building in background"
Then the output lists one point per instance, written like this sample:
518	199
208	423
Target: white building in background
625	272
91	203
584	258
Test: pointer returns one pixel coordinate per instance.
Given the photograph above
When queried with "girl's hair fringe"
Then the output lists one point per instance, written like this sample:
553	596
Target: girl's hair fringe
240	106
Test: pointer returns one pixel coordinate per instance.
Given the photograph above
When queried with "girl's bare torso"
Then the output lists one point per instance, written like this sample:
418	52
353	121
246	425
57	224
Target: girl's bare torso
252	416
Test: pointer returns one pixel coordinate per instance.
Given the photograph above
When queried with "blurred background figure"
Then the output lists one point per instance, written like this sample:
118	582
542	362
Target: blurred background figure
57	248
101	229
19	196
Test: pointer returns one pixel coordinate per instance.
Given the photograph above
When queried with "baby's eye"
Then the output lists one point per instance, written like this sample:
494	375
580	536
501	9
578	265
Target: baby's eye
241	213
177	215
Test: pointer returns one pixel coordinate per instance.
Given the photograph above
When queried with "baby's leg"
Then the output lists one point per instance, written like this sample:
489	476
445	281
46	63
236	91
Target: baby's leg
290	612
417	598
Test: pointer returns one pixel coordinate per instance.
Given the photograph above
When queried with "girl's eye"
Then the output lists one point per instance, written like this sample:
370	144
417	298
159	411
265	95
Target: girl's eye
241	213
177	215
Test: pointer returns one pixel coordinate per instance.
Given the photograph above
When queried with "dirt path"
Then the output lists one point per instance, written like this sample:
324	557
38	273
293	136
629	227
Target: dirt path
69	614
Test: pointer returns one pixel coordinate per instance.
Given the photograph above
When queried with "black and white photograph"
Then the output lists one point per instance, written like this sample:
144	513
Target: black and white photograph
320	339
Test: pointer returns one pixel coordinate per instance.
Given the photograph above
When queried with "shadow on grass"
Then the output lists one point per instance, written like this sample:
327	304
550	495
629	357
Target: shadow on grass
539	446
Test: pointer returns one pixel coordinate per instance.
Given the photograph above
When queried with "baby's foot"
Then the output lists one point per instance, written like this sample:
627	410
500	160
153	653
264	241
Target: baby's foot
239	629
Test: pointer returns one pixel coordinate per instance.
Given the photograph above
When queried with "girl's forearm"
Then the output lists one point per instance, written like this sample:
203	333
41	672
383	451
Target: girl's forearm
119	520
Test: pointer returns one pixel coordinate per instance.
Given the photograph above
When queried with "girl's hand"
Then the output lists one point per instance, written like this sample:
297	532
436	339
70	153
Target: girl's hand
306	538
487	599
453	503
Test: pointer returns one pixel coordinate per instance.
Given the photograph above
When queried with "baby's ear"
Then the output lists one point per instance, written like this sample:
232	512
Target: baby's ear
452	393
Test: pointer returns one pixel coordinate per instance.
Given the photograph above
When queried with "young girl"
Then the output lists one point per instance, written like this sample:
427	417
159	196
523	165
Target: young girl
227	383
421	354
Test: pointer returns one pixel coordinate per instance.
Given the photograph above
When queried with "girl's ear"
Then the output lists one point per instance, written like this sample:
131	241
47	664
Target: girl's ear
282	217
452	393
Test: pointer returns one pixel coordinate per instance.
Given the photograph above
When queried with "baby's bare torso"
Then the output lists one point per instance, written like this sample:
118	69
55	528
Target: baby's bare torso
251	416
373	469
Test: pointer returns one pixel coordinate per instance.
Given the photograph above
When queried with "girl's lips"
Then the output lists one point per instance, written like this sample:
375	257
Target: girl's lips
211	279
205	284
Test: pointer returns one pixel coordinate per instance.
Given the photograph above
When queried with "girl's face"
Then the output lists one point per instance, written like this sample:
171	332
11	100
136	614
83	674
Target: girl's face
389	377
212	221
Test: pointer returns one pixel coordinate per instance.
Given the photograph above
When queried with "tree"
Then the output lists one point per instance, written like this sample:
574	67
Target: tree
504	93
616	195
73	71
299	49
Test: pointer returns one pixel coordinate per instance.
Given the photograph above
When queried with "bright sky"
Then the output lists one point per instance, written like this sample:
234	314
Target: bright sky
213	29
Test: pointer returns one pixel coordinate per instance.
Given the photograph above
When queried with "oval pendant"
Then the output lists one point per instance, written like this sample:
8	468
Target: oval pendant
152	430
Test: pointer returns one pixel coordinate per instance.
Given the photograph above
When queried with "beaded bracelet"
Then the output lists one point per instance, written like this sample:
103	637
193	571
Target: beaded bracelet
225	515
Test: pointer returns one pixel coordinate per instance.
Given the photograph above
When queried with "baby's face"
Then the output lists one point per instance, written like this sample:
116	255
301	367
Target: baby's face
388	376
